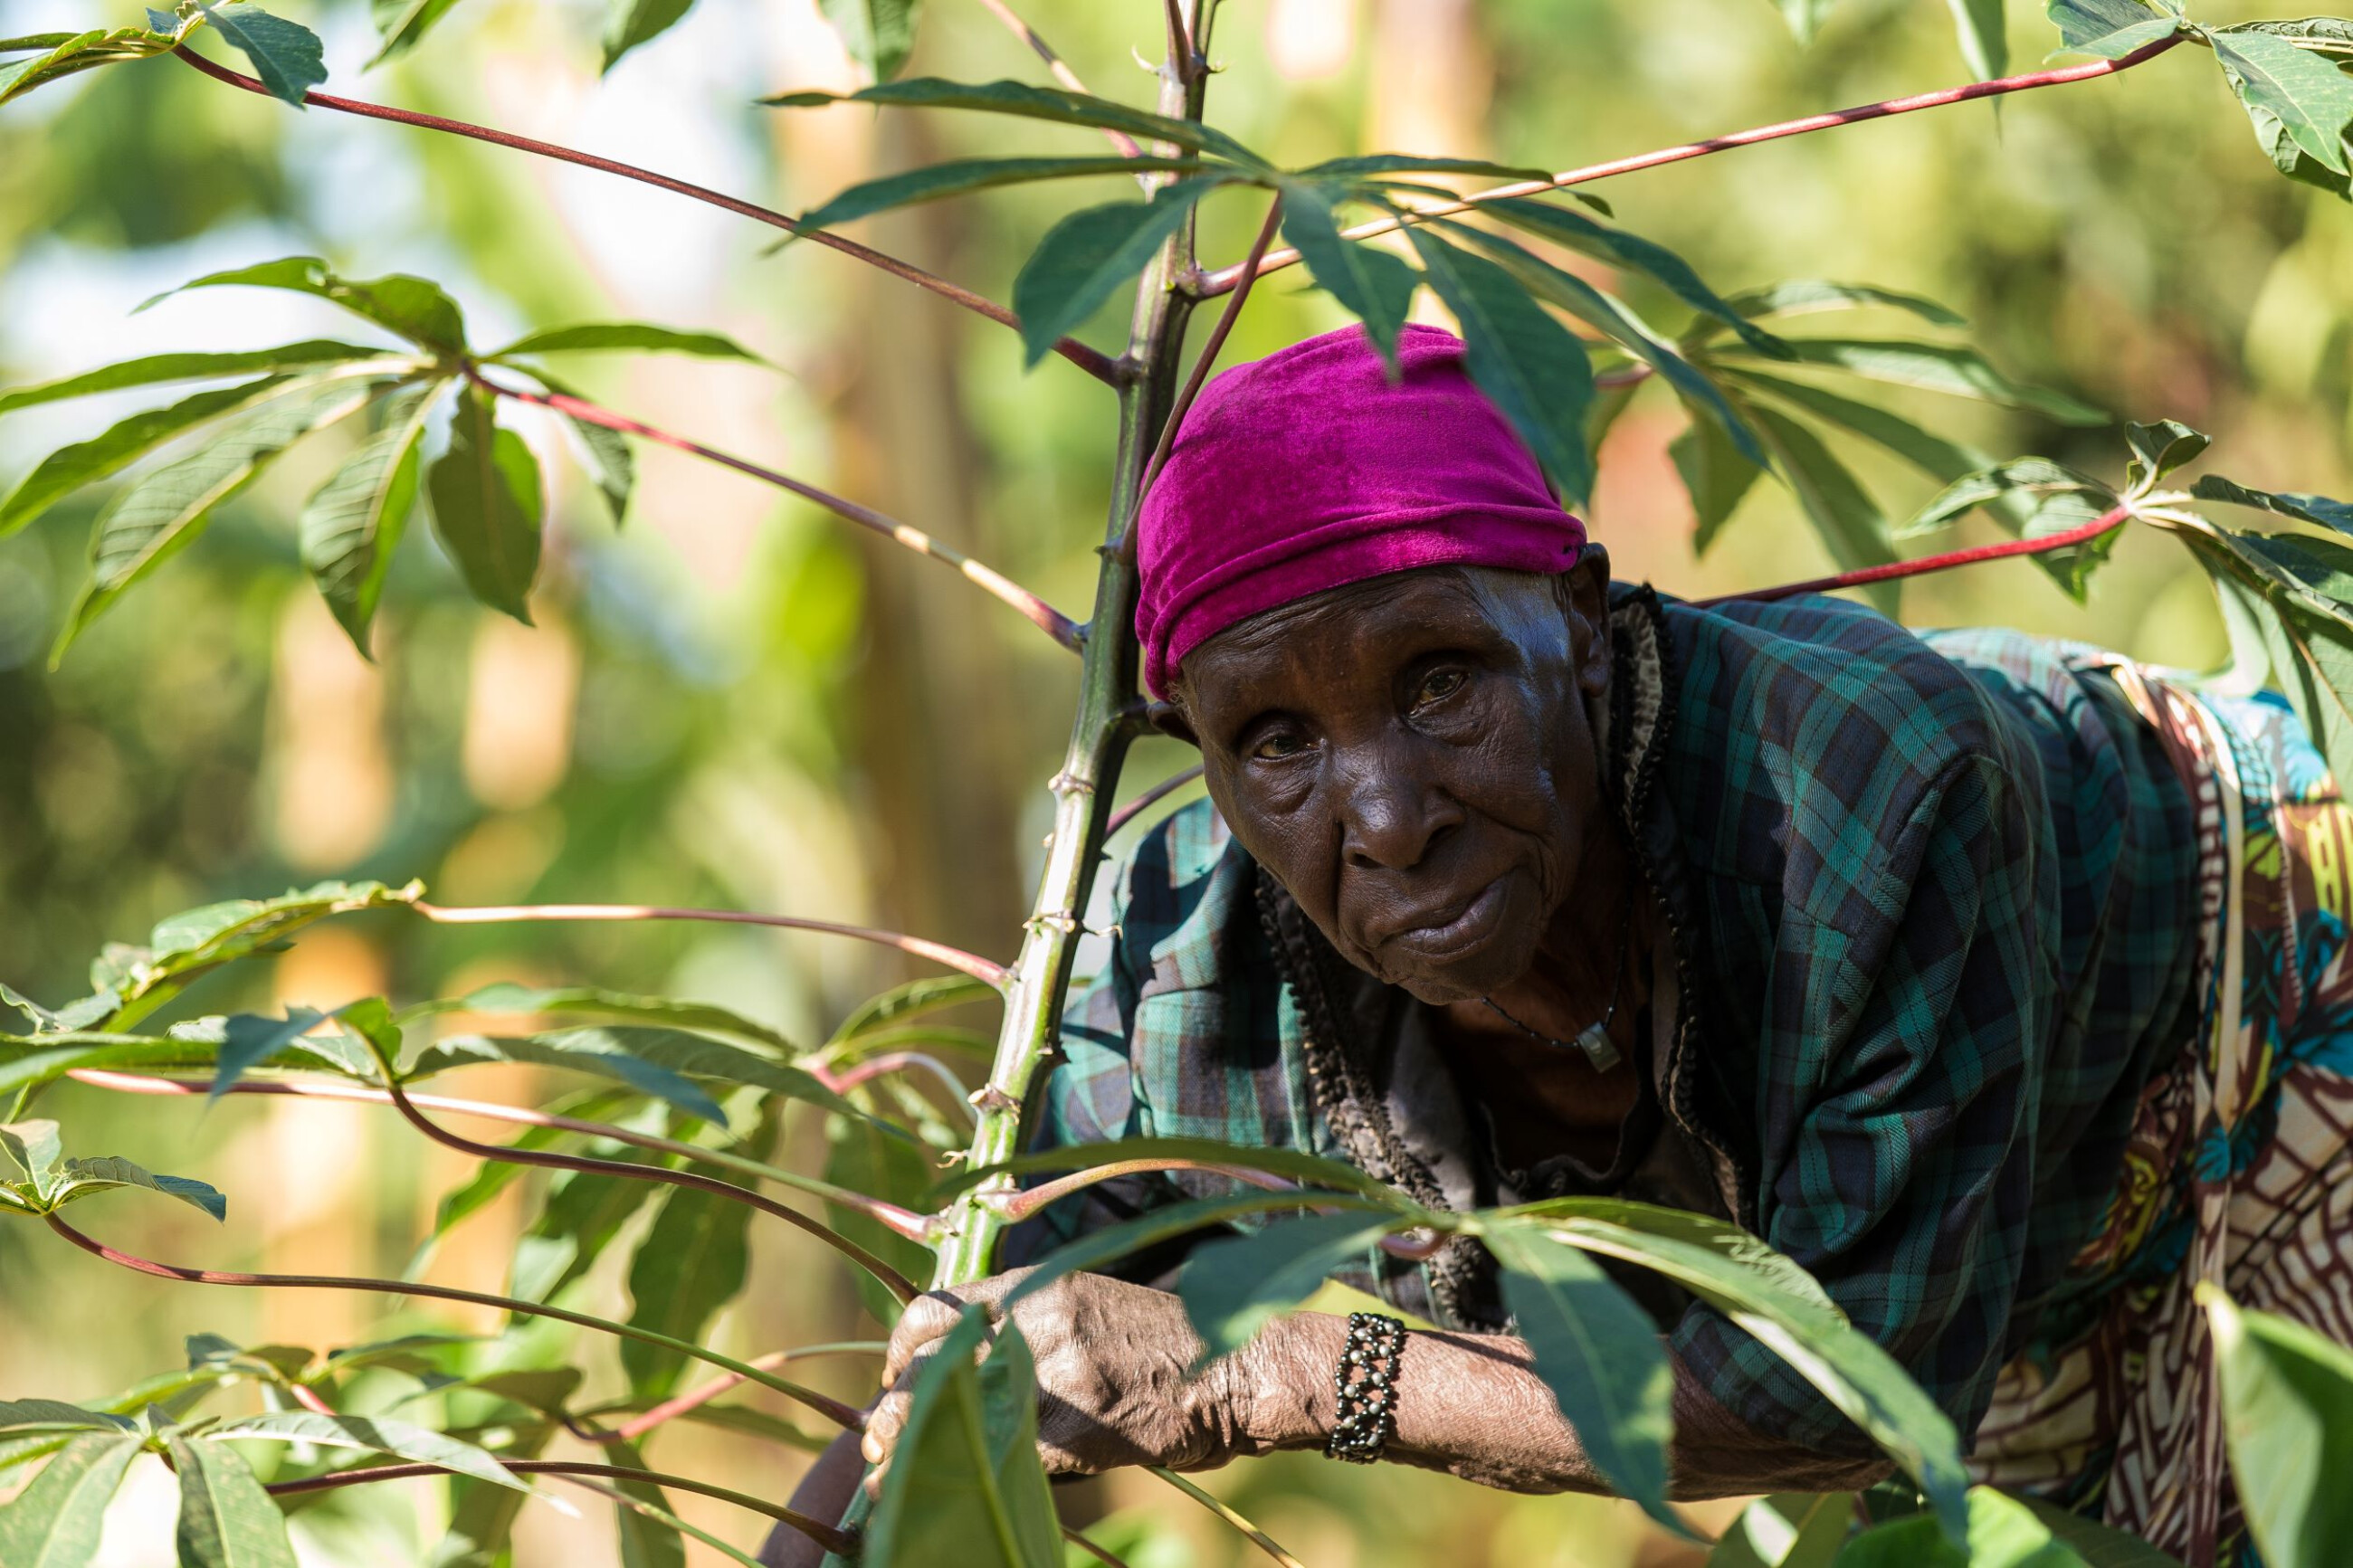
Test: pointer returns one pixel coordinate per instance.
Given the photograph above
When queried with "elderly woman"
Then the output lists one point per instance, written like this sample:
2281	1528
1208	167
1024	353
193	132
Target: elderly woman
1997	984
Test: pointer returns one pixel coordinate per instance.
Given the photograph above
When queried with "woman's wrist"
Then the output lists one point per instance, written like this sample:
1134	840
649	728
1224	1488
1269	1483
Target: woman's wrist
1280	1382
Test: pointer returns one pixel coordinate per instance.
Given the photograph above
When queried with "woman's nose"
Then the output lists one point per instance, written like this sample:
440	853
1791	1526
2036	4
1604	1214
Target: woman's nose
1391	821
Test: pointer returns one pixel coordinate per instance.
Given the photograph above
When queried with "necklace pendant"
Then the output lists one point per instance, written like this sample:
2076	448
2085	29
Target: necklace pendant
1596	1045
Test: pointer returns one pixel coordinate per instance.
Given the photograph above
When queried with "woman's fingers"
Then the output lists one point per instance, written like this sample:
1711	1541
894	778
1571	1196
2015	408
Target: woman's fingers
926	1319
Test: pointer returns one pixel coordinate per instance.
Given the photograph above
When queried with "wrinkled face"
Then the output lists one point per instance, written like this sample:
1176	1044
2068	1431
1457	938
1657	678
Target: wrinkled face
1413	758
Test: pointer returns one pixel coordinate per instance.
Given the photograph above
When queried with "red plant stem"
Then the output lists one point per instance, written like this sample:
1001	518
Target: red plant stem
898	1284
672	1409
306	1397
1219	282
1037	611
1863	576
1182	53
1095	363
1209	351
1056	66
825	1534
1148	799
895	1061
1024	1204
979	968
898	1221
830	1408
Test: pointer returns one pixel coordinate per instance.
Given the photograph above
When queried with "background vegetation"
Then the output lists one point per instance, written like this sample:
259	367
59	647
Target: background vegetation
722	704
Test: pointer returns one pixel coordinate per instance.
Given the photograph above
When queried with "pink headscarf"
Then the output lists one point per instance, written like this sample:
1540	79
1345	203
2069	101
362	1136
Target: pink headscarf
1309	470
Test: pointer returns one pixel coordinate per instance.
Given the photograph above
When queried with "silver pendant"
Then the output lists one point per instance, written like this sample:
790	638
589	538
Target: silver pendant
1594	1043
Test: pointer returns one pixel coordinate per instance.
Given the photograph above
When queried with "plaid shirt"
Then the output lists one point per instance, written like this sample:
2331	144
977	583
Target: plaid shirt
1931	906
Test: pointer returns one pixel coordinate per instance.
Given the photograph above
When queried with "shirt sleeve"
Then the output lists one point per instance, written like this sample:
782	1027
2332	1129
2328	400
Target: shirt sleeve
1900	1172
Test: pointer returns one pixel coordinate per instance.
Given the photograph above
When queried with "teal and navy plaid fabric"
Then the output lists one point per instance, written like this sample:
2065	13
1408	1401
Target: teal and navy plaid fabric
1936	896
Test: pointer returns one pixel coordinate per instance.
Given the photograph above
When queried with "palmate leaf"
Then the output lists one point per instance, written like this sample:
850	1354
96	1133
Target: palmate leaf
2306	95
56	1414
694	1261
2035	497
964	1484
2158	449
68	468
1942	460
879	34
1025	102
904	1004
374	1435
2287	1396
61	55
1848	520
81	1178
286	55
593	336
34	1150
487	505
2320	509
703	1018
628	23
1633	253
153	370
1233	1288
663	1061
1372	285
1600	1355
1807	296
168	510
592	1051
1530	366
1954	371
354	522
226	1520
1717	477
54	1522
414	307
962	176
1091	253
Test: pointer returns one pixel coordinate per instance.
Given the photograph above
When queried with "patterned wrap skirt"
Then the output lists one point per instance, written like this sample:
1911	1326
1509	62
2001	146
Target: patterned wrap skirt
2240	1170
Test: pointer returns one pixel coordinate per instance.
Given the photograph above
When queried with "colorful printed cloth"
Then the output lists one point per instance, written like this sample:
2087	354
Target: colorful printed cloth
2239	1169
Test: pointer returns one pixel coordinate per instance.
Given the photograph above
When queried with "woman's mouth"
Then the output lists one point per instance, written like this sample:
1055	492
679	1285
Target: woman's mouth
1458	932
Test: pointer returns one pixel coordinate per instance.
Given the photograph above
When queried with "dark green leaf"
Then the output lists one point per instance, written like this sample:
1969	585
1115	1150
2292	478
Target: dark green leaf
1940	459
56	1414
166	510
247	1041
583	1212
964	1484
1805	296
402	25
2096	1543
597	1052
1372	285
1600	1355
696	1056
862	1157
68	54
226	1520
2157	449
54	1522
414	307
619	1007
2003	1532
1090	253
902	1005
2115	45
1530	366
2033	498
68	468
1716	473
2331	36
645	1541
690	1264
934	181
879	34
2307	95
40	1066
2318	509
33	1148
2287	1399
1231	1287
1028	102
156	369
1632	252
1790	1530
1985	40
82	1177
1934	367
1849	521
352	523
628	23
375	1434
2080	21
620	335
481	1517
610	462
285	55
1357	168
487	506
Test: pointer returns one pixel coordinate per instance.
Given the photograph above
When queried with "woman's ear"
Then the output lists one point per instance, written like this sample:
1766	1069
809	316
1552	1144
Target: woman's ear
1584	591
1170	720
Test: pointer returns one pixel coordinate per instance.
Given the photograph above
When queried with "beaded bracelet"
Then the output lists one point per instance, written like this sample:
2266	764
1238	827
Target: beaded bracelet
1367	1385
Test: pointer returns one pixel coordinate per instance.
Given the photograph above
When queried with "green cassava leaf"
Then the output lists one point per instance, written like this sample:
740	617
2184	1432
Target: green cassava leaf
1940	459
487	506
375	1434
628	23
597	1052
1954	371
1804	297
32	1149
1804	16
226	1520
354	522
2329	36
1049	103
965	175
2080	21
2033	498
692	1263
1716	473
615	1006
863	1157
1355	169
248	1041
583	1212
1600	1355
1790	1530
2305	94
1843	514
2311	508
54	1522
401	26
168	511
1984	36
1530	366
2123	41
593	336
610	462
155	370
647	1541
68	468
1633	253
413	307
482	1517
1090	253
2287	1398
2096	1543
56	1414
2003	1532
1337	1174
879	34
286	55
1233	1287
902	1005
964	1485
80	1178
1374	285
69	54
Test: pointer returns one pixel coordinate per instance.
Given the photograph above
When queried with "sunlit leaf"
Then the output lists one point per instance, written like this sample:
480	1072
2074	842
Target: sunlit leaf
248	1041
1790	1530
1938	367
2307	95
414	307
69	54
1848	520
402	25
2157	449
2312	509
375	1434
56	1414
879	34
964	1484
1358	168
1803	297
1030	102
2287	1398
610	462
1632	252
599	1053
962	176
2033	498
352	523
1529	365
2096	1543
645	1541
1233	1288
157	369
1939	458
166	510
2329	36
80	1178
68	468
1715	474
628	23
1373	285
583	1212
487	506
618	1007
1294	1164
692	1262
226	1520
1985	40
2123	41
55	1521
2080	21
862	1157
902	1005
616	336
1090	253
286	55
1600	1356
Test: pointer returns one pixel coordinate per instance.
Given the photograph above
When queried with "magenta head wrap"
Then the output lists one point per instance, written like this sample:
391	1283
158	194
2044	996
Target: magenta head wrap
1310	469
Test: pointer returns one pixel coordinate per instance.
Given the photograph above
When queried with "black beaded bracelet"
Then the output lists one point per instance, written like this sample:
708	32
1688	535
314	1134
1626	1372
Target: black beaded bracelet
1367	1385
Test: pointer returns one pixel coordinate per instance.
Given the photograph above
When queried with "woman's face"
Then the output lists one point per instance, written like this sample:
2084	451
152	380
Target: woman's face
1413	759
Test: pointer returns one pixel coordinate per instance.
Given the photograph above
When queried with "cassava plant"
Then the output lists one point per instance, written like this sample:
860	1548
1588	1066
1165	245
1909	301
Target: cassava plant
682	1106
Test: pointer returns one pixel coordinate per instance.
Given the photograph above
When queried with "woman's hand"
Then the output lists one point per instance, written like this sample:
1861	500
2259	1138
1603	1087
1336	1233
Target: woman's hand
1113	1388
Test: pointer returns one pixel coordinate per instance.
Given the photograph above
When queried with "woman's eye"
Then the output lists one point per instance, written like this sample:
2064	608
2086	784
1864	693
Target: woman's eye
1440	685
1275	746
